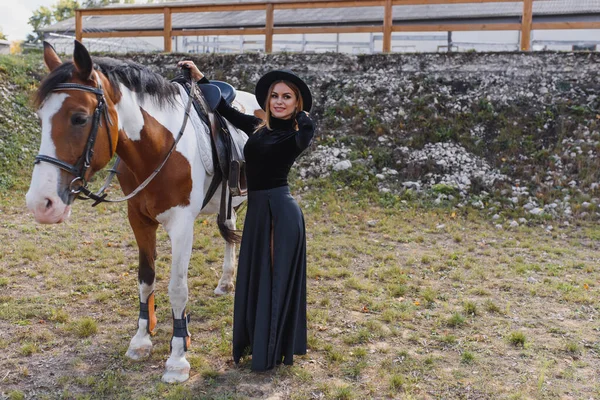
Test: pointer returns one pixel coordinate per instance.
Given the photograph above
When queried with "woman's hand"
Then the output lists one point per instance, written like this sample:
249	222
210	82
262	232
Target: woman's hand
304	121
194	71
301	114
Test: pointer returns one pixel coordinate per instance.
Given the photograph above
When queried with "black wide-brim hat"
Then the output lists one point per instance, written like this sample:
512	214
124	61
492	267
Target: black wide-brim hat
264	83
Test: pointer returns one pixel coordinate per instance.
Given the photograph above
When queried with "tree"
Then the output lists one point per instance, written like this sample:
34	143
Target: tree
2	35
41	17
16	47
64	9
45	16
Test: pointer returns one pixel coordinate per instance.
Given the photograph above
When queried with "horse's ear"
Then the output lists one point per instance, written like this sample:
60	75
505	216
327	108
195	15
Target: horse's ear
83	61
51	59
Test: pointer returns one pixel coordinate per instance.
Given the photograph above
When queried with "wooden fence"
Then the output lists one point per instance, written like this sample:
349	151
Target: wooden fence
387	28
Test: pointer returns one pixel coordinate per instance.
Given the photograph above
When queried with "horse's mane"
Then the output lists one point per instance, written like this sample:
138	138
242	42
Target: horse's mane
133	76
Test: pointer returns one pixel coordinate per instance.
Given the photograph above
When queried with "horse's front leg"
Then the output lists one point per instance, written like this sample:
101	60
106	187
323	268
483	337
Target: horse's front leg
180	227
144	230
226	282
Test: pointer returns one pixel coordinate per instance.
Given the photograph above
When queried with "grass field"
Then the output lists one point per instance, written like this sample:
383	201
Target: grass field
404	302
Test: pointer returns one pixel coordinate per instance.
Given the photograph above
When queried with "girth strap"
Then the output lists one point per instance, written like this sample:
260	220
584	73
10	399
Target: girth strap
223	149
203	112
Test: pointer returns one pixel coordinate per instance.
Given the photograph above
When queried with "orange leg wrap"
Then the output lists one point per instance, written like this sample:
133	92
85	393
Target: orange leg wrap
152	320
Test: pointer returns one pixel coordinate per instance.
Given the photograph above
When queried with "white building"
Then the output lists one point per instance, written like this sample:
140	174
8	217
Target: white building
4	47
406	15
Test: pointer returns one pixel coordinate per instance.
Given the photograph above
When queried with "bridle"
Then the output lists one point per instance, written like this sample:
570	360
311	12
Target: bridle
79	184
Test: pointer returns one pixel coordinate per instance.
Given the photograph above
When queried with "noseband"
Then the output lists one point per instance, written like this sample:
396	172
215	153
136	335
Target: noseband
79	184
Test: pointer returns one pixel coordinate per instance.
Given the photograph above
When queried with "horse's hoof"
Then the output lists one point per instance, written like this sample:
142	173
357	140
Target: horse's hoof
139	353
176	374
139	348
224	289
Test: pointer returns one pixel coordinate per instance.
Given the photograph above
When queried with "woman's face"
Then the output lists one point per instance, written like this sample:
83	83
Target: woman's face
283	101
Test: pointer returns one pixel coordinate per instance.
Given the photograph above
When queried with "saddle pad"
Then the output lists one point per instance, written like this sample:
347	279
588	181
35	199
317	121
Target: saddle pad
202	136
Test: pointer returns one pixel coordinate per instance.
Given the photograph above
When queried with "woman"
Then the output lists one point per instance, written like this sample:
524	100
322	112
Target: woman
269	317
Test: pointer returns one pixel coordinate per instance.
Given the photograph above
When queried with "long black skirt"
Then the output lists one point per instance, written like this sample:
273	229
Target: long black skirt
269	317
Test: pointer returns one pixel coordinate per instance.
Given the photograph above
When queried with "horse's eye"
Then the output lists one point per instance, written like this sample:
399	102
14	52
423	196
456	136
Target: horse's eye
79	119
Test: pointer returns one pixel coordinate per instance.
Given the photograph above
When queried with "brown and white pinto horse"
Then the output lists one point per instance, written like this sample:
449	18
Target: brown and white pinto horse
137	115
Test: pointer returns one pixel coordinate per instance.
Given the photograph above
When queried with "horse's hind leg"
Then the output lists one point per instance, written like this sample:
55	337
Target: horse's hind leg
226	282
144	230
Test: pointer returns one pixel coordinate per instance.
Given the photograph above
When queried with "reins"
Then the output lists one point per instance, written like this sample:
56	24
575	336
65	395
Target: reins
83	163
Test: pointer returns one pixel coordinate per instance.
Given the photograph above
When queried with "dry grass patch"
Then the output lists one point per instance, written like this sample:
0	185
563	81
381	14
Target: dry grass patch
396	309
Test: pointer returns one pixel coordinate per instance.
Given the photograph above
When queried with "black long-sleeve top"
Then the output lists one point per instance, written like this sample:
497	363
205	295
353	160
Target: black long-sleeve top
270	153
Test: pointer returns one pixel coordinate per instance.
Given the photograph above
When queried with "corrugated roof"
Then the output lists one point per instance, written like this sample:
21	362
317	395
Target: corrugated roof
330	16
64	44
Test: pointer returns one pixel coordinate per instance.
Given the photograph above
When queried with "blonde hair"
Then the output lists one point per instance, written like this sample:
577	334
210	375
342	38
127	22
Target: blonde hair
299	104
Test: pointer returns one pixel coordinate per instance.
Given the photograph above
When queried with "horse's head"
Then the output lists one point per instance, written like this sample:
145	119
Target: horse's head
79	133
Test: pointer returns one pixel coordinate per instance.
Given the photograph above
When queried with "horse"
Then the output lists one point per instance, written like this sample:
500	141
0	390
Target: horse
91	109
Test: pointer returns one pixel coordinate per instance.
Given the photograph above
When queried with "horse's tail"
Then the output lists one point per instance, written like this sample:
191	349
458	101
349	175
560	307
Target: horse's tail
228	231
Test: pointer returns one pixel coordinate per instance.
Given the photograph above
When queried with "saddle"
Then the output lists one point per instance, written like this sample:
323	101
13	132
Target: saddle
215	90
230	168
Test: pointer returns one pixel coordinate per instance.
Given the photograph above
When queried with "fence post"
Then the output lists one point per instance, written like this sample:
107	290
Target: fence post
526	25
167	30
269	29
78	27
387	27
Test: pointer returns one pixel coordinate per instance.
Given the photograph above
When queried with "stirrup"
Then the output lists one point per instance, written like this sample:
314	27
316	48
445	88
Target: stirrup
237	178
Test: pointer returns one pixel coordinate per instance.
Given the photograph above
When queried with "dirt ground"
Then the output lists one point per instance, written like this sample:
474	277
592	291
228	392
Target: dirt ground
406	303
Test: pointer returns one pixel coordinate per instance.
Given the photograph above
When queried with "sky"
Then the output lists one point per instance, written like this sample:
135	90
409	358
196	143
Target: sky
14	16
